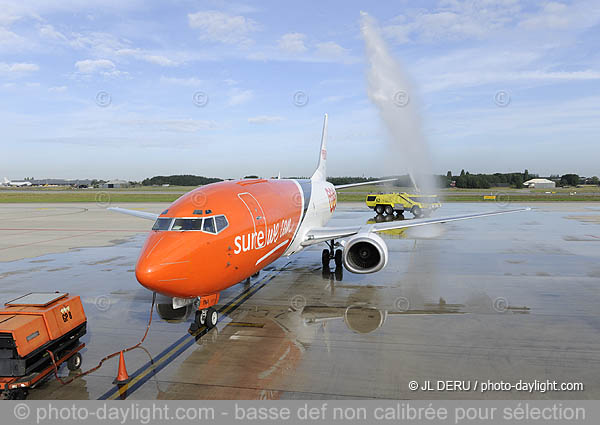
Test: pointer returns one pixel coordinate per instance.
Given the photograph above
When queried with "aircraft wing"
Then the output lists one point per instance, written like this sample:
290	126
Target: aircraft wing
322	234
344	186
135	213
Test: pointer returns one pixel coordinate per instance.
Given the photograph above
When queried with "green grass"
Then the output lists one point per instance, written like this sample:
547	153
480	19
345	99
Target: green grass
181	189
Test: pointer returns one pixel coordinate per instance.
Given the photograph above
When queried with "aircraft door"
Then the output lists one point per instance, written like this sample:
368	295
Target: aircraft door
256	212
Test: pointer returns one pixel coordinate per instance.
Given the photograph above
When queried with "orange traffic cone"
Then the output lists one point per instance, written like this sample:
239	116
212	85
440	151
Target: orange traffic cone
122	376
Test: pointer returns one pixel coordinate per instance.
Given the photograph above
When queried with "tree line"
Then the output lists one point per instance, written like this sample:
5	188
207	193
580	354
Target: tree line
180	180
463	180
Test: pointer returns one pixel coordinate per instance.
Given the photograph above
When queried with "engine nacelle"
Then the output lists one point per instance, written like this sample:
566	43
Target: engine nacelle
365	253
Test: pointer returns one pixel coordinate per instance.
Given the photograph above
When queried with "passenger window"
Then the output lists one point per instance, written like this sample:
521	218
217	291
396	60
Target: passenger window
221	222
162	224
209	225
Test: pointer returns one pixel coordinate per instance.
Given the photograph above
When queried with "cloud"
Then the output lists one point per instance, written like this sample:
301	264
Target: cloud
147	57
553	16
453	20
221	27
190	82
292	42
57	89
89	66
331	51
264	119
48	32
9	38
97	43
159	60
474	67
103	67
184	125
237	96
17	69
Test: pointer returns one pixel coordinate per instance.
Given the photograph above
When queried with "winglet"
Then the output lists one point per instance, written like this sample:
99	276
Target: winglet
321	171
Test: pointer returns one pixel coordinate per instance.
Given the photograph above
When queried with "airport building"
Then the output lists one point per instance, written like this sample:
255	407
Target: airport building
115	184
60	182
540	184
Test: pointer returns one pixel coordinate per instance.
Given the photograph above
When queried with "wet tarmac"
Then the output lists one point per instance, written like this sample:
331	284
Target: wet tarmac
504	298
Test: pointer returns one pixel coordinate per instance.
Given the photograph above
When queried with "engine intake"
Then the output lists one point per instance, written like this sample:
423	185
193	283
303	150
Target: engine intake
365	253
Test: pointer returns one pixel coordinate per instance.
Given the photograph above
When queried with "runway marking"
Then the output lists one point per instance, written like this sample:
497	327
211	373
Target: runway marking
50	240
151	368
246	325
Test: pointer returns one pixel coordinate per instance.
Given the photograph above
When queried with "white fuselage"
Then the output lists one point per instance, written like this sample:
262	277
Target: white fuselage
320	209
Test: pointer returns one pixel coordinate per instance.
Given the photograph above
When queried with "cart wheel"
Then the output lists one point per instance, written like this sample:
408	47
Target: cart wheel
18	394
74	362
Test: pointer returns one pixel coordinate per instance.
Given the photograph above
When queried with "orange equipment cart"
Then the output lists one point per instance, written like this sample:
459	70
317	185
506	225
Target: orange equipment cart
32	325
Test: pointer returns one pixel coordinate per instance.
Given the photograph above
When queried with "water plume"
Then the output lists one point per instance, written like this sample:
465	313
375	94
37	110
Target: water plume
390	90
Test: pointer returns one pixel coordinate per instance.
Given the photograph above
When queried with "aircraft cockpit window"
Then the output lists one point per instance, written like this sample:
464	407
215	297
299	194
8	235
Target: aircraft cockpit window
162	224
221	222
209	225
183	224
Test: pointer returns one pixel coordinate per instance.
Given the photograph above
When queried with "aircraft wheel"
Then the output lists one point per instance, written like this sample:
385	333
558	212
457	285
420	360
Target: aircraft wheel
212	317
74	362
379	209
200	318
417	212
338	258
325	258
389	210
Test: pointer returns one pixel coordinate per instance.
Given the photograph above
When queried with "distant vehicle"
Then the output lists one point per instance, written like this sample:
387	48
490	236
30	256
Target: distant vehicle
388	203
6	182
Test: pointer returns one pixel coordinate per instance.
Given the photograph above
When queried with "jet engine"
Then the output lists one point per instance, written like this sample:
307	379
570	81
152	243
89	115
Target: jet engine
365	253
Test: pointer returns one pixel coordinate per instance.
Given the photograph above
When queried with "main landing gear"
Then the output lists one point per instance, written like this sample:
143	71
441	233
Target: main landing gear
206	315
332	254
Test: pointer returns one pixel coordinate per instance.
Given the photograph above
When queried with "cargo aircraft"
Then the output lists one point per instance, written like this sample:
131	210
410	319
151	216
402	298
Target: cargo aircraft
223	233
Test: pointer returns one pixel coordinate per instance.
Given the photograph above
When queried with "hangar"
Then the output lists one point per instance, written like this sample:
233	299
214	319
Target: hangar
540	184
115	184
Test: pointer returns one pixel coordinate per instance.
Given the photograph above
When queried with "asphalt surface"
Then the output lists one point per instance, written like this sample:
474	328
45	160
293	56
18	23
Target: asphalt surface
501	299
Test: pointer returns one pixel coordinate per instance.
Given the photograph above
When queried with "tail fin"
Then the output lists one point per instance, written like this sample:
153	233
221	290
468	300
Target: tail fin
321	171
5	180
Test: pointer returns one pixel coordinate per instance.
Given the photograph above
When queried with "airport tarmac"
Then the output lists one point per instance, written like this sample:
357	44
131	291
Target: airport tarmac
502	298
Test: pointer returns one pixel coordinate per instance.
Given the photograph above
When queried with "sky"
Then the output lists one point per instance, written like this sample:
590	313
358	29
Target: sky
131	89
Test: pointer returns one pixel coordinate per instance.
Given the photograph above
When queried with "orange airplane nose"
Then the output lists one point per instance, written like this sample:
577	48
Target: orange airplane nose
163	265
148	275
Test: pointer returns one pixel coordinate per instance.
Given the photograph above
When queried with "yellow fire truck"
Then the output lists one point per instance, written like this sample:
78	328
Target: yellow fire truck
388	203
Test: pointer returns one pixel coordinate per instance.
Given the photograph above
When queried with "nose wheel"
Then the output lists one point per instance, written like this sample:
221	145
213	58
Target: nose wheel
206	315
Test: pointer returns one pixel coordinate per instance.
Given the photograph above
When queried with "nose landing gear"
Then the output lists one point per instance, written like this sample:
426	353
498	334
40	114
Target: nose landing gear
206	315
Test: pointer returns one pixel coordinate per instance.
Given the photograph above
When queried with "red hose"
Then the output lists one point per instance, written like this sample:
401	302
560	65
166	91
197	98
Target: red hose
110	356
